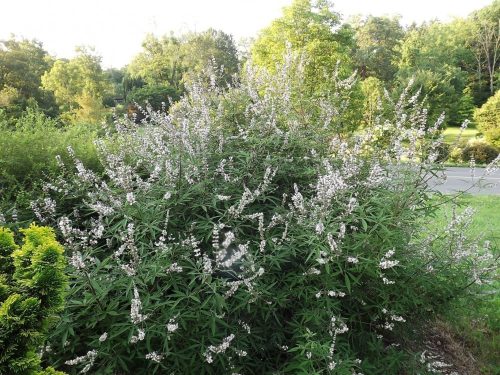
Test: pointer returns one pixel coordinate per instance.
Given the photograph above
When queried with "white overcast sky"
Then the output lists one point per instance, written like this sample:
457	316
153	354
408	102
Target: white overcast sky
116	27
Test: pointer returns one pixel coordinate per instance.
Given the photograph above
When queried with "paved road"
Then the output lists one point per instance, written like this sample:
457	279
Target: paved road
460	179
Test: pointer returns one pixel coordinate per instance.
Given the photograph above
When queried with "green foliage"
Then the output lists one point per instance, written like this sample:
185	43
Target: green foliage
478	328
7	247
27	156
211	47
373	91
154	286
466	106
487	119
160	62
116	77
79	86
49	371
484	41
455	154
35	294
462	150
376	53
481	152
240	234
156	96
432	55
22	63
313	28
173	61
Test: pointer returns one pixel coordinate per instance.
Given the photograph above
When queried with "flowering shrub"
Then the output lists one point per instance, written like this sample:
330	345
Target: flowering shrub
32	282
245	233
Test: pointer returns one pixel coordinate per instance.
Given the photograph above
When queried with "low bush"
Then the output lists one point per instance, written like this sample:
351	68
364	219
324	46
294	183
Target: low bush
481	152
32	284
487	119
455	155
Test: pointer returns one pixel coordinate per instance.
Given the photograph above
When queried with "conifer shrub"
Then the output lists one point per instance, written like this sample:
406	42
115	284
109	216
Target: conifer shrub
32	286
246	233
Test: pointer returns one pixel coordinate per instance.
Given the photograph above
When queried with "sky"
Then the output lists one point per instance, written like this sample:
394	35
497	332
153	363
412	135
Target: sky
116	28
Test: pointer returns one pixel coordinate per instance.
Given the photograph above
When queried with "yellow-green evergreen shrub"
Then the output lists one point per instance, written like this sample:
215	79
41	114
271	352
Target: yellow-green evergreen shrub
32	283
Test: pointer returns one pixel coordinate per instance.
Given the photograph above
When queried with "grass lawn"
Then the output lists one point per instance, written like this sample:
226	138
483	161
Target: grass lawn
486	220
451	133
475	322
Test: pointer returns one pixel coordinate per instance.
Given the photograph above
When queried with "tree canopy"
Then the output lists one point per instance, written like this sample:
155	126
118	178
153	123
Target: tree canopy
455	65
377	41
79	85
312	27
22	63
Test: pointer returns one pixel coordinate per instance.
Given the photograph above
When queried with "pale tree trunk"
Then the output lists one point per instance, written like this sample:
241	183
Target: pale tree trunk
496	46
489	42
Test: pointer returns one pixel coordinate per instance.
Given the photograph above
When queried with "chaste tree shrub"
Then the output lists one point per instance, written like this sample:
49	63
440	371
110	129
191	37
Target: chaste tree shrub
32	285
244	233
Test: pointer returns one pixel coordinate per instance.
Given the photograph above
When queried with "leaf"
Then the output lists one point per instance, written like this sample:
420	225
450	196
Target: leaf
364	224
347	282
212	325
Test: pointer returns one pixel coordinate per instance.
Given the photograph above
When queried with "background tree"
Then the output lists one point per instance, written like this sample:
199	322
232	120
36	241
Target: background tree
376	53
312	28
22	63
160	62
484	40
434	56
62	80
159	74
79	85
466	105
373	90
209	47
157	96
116	78
130	83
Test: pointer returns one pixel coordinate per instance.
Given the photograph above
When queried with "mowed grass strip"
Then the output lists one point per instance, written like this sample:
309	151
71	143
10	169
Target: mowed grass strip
486	222
451	134
475	320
